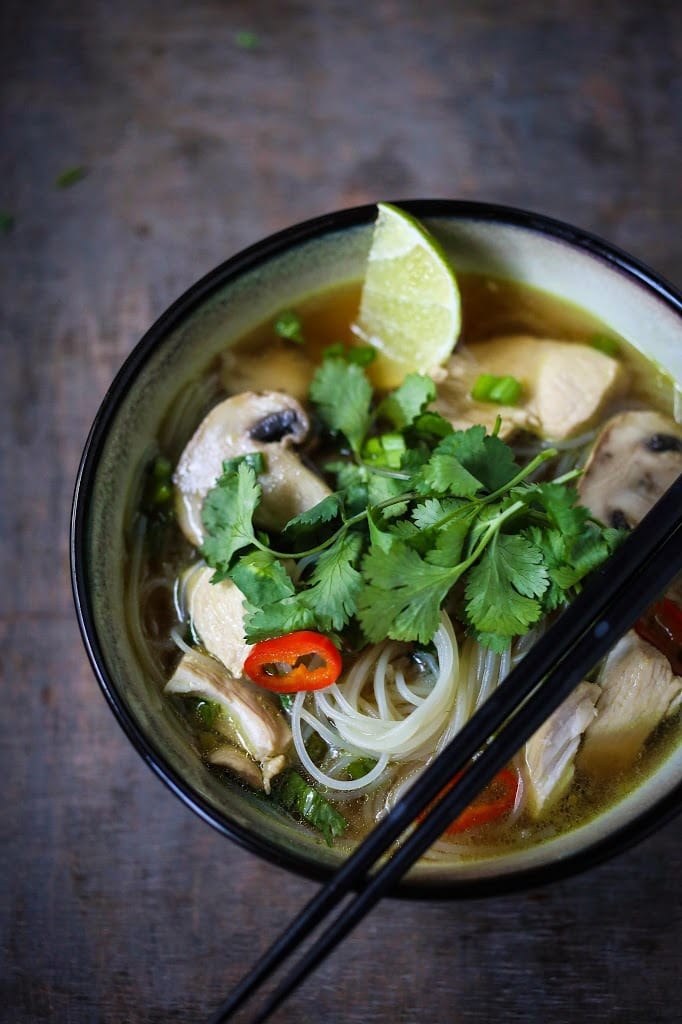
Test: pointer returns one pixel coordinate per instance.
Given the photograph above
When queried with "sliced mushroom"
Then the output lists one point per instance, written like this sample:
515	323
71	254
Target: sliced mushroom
268	422
566	385
637	457
216	611
251	720
239	763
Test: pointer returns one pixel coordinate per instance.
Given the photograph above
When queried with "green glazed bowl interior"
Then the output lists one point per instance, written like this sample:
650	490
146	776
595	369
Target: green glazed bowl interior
242	293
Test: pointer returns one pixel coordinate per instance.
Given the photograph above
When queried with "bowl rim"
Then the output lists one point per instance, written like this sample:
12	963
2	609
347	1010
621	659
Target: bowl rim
621	838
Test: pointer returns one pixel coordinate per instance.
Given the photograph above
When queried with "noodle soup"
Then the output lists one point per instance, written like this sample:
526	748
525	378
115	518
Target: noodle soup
335	759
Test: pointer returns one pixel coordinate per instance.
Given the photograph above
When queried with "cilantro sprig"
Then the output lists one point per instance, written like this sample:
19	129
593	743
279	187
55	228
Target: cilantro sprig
421	514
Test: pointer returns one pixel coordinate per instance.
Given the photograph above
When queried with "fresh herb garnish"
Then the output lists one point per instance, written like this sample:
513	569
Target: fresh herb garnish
298	797
419	508
502	390
363	355
288	325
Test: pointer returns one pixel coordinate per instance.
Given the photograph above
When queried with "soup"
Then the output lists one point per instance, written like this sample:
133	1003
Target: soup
334	725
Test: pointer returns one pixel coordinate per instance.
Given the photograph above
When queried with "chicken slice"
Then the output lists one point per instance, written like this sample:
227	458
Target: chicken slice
566	385
286	368
548	756
638	689
268	422
637	457
251	719
216	611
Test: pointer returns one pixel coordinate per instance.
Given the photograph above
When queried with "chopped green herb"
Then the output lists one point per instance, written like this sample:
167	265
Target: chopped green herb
361	355
418	509
288	325
298	797
246	40
316	747
604	343
70	177
6	222
286	700
502	390
207	712
350	417
359	767
386	450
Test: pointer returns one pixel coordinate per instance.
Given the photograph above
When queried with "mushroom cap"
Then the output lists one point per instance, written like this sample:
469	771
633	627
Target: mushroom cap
269	422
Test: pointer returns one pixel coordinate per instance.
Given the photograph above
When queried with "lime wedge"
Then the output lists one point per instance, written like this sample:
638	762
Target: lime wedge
410	306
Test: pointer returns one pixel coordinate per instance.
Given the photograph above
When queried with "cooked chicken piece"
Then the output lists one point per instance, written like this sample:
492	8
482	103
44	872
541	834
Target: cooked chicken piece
216	611
638	689
267	422
566	385
548	763
454	401
287	368
637	457
251	719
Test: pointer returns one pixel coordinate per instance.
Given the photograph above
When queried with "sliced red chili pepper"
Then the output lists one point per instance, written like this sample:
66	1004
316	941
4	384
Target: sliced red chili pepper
496	800
281	664
661	625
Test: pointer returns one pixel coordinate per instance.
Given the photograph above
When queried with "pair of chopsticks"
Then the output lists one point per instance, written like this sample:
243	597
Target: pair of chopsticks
613	599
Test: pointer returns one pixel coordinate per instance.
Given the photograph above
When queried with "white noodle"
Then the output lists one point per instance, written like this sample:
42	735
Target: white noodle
316	773
394	725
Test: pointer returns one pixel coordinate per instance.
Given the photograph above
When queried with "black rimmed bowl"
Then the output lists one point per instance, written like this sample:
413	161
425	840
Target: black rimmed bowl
215	313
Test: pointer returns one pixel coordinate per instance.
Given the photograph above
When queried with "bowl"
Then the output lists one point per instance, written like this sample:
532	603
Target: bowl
247	290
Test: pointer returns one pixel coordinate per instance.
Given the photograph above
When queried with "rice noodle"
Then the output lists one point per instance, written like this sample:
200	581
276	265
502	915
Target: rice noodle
396	724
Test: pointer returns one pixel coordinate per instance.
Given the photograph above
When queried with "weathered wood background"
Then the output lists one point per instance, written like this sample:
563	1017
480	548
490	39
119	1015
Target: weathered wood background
118	904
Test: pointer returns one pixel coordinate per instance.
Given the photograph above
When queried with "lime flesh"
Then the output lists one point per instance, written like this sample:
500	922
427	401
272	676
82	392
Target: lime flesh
410	305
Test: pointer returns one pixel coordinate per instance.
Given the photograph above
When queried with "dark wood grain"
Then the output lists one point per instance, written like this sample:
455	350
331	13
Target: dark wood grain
117	903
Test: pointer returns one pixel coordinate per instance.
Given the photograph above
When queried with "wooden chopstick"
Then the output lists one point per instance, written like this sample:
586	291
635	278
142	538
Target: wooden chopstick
615	597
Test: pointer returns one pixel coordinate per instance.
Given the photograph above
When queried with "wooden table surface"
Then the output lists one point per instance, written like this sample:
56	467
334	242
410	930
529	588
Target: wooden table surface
118	904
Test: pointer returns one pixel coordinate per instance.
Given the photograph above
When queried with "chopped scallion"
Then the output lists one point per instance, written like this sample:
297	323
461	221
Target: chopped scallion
288	325
502	390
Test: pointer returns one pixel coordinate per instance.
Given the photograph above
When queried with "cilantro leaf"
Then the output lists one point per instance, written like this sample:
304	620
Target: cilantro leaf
298	797
559	502
343	395
324	512
335	582
277	619
402	406
262	579
444	473
502	588
227	515
449	544
403	596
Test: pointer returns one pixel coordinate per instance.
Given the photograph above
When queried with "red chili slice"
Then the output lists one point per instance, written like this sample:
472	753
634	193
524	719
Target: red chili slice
496	800
281	665
661	625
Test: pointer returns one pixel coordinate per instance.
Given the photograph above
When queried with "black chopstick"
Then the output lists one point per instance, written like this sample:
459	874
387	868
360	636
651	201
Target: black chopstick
615	597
